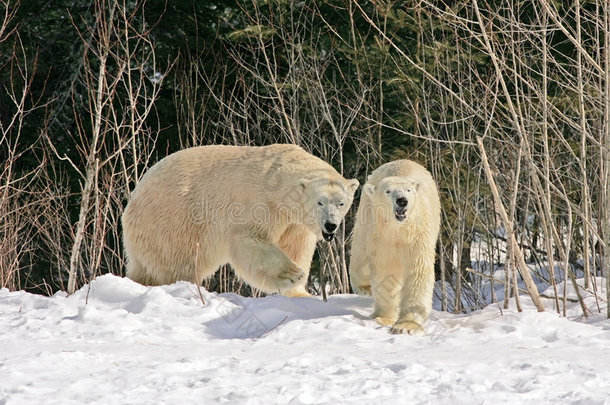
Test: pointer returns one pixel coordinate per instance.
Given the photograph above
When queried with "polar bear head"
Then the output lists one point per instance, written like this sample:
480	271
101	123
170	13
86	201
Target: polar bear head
395	196
325	204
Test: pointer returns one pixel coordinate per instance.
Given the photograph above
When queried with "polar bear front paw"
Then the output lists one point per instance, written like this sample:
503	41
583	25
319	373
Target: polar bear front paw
407	327
291	275
298	291
383	321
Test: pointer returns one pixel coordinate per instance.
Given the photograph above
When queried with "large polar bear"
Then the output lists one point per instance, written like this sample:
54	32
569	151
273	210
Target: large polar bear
261	209
394	242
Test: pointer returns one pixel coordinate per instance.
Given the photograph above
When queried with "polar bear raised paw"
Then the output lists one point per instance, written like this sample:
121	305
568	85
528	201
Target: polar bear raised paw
289	277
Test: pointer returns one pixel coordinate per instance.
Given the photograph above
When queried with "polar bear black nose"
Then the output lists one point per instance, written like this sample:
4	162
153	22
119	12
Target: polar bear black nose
402	202
330	227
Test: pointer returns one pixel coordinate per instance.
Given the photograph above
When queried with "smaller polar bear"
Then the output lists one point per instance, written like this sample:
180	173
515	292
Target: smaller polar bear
261	209
393	247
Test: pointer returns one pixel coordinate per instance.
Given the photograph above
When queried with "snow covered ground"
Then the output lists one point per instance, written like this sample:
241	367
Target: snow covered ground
117	342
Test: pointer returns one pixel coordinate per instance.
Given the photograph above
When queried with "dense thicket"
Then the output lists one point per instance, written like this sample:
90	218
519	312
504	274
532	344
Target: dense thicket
93	93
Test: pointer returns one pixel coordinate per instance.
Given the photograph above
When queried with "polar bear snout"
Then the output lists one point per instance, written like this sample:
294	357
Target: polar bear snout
400	214
400	208
328	230
402	202
330	227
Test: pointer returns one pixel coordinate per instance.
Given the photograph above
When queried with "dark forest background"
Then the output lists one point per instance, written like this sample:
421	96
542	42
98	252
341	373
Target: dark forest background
92	93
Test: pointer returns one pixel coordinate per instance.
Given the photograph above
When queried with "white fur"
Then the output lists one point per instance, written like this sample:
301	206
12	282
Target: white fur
253	207
394	260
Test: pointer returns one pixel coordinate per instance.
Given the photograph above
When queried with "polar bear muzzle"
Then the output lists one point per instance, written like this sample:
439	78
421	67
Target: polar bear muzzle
400	211
328	231
400	214
328	236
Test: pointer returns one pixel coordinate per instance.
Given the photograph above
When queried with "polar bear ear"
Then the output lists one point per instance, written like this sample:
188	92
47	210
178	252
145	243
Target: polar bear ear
369	189
352	185
303	183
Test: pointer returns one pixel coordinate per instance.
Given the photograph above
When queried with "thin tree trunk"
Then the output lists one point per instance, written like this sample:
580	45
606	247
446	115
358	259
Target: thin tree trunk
442	268
80	227
548	239
520	261
605	217
583	152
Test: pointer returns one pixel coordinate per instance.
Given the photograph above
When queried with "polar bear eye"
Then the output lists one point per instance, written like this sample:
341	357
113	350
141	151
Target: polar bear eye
320	203
341	204
387	191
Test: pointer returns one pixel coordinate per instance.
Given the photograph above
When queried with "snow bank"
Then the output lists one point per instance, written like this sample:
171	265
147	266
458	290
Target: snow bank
117	342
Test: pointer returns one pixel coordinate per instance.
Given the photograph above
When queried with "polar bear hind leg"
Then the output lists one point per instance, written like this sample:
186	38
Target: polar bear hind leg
360	273
137	272
359	266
